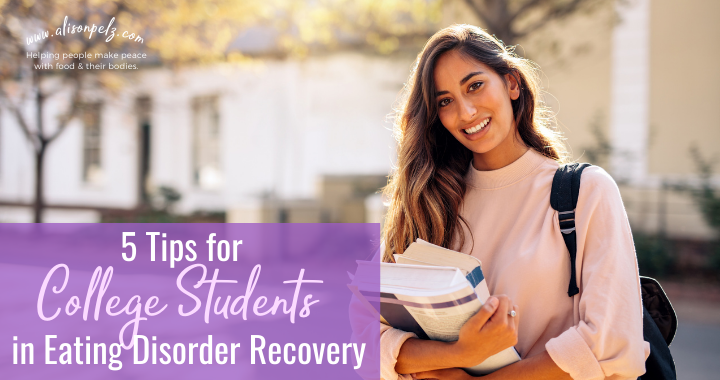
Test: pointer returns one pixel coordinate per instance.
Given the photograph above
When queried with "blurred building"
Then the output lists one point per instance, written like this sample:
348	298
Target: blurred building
312	133
631	85
310	141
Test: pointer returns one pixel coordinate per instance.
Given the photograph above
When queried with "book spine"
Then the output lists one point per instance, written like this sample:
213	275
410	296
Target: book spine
475	276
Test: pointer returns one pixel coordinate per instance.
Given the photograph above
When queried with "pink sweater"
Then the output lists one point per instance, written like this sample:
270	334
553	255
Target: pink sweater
596	334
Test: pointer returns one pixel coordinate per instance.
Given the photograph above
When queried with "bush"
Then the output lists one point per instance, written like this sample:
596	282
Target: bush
707	200
715	259
653	254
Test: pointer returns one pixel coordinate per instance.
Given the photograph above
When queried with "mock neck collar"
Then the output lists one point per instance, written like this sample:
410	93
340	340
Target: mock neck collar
505	176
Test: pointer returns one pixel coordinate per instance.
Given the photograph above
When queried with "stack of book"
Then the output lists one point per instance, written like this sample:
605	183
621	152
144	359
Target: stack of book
430	291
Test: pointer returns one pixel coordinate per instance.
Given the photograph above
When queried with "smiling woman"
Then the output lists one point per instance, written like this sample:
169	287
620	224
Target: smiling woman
463	77
477	153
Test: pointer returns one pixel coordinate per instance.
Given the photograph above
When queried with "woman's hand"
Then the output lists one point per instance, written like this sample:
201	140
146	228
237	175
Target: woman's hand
488	332
443	374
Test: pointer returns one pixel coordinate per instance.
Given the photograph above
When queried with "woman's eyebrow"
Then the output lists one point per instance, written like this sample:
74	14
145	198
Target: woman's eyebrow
467	77
462	81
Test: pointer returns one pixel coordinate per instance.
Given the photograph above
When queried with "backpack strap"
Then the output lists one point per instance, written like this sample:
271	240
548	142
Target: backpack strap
563	198
659	319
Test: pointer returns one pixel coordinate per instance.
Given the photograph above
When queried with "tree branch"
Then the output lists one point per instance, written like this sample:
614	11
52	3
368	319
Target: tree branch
32	137
481	13
75	77
524	8
553	14
65	119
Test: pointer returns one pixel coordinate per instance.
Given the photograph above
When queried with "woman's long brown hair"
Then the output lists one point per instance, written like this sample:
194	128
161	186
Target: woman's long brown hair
428	187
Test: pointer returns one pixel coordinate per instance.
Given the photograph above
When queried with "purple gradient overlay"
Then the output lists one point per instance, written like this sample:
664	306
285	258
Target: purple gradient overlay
270	254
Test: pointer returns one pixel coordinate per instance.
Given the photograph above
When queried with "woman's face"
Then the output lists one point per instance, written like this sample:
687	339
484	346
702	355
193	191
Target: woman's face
474	104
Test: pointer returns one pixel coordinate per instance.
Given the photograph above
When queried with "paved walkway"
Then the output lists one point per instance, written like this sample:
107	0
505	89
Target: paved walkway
696	350
696	347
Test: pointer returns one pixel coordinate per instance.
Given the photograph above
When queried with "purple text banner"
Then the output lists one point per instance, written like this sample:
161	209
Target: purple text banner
184	301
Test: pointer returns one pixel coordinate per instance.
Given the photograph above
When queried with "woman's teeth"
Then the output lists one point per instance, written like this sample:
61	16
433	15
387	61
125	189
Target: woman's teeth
478	127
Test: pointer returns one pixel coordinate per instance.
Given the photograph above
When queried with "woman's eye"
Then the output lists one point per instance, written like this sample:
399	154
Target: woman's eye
444	102
475	86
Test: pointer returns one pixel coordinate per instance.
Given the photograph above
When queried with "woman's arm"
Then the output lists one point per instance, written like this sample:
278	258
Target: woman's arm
423	355
540	367
607	341
491	325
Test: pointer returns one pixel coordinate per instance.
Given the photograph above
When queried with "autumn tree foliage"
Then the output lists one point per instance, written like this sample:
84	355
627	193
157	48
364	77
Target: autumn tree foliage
180	32
35	36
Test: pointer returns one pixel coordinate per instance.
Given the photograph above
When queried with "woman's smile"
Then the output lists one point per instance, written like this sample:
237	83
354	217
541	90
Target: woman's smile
477	131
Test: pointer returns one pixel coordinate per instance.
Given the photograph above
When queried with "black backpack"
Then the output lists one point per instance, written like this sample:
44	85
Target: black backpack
659	319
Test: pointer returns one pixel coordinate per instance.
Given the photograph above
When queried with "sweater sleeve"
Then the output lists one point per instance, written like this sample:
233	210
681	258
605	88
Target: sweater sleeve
364	326
391	340
607	342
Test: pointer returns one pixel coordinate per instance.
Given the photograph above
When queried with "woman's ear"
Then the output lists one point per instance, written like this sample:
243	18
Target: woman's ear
513	85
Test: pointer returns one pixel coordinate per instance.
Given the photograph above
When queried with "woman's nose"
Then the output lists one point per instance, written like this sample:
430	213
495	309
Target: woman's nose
467	110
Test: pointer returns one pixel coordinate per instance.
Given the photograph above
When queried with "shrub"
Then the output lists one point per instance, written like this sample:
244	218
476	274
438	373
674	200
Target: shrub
653	254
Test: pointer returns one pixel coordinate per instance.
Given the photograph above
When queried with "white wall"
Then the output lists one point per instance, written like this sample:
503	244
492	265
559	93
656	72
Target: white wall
63	162
283	124
629	125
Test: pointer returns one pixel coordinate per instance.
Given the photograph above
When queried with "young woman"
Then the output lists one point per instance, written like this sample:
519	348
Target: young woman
476	160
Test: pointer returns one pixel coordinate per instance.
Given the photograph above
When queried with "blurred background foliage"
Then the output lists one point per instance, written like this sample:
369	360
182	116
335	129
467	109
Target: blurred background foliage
190	33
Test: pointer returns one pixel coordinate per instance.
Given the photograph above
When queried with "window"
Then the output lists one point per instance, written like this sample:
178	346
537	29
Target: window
92	141
143	107
206	143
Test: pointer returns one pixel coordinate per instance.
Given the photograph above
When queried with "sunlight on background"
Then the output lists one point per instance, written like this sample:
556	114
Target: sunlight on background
280	111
